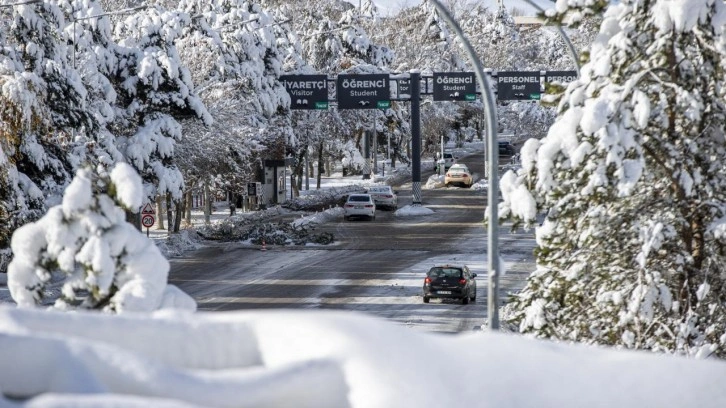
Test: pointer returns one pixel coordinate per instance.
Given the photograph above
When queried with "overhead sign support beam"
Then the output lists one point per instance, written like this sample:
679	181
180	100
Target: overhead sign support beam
416	136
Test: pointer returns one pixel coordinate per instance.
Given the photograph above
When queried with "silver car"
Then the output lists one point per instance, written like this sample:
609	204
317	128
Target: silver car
359	205
384	196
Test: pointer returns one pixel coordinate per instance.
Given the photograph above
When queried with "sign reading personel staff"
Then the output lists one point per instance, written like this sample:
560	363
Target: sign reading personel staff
519	86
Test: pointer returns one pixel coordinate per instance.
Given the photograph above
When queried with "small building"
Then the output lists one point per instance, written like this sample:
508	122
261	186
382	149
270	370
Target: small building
528	22
274	190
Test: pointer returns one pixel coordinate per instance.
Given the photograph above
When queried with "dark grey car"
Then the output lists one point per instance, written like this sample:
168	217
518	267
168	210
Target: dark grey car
450	282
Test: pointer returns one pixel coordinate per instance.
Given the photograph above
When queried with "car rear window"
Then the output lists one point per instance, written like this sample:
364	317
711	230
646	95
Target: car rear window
358	198
442	272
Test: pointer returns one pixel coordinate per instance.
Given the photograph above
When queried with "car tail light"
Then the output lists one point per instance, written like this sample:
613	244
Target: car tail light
427	281
349	206
369	206
464	175
388	196
448	175
462	281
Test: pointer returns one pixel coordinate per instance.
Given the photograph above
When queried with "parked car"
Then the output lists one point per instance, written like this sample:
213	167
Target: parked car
450	282
359	205
506	148
384	196
458	174
449	159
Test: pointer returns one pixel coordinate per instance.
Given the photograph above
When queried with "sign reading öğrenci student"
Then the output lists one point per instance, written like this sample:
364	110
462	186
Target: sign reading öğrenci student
306	91
518	86
562	77
454	86
371	91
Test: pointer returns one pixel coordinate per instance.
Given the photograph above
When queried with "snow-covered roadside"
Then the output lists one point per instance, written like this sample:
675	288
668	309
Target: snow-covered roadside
321	359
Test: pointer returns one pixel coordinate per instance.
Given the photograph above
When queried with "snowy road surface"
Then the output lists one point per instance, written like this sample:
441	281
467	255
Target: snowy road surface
375	267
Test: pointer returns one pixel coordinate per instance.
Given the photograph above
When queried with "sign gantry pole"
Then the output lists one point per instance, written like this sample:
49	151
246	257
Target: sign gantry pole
416	136
493	159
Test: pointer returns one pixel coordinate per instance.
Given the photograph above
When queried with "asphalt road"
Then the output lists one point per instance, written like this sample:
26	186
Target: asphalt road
375	267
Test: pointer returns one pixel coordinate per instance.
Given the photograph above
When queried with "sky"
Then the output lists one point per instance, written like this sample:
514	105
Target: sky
387	7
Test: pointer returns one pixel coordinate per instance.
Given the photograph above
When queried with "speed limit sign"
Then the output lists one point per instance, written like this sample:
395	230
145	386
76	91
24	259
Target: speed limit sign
147	220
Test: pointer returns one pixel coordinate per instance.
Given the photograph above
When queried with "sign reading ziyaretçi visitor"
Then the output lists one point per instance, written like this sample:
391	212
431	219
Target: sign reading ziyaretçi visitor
306	91
518	86
454	86
370	91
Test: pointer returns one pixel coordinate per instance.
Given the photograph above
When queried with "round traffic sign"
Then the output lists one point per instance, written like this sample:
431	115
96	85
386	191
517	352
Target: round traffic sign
147	220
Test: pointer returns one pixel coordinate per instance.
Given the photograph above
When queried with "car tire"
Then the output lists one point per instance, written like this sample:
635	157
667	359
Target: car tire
465	300
426	299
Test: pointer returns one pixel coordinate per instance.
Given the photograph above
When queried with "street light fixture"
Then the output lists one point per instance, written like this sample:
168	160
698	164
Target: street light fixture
492	157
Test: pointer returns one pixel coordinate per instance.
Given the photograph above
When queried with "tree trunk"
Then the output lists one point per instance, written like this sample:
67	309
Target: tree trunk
178	215
294	185
169	211
160	212
320	164
300	177
207	203
189	202
134	219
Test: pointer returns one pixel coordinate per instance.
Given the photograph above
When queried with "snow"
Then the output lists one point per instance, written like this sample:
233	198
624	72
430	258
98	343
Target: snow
283	358
127	180
413	210
85	244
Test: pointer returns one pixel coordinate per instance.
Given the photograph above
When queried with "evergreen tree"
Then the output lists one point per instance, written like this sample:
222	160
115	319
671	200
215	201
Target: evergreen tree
155	91
86	243
231	49
631	252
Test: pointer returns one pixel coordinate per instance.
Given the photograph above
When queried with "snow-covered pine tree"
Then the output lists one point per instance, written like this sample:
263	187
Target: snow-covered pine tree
85	246
155	91
37	91
231	50
631	252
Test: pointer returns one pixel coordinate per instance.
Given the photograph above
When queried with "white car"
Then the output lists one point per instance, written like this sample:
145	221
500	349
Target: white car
459	174
384	196
448	160
359	205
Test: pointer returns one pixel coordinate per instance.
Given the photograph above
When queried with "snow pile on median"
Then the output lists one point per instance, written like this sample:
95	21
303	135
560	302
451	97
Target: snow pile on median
319	217
434	181
412	210
482	184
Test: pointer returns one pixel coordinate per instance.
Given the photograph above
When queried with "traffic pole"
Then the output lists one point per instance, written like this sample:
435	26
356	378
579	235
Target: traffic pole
416	136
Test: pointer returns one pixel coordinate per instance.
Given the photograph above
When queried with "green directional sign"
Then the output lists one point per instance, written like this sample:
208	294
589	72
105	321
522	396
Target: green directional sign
518	86
454	86
306	91
363	91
